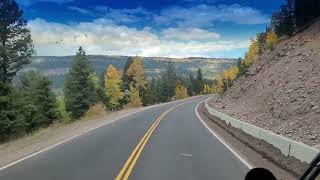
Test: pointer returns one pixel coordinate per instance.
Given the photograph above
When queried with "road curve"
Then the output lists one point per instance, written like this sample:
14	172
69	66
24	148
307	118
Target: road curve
164	142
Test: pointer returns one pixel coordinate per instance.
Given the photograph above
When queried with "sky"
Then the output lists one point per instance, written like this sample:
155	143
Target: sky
167	28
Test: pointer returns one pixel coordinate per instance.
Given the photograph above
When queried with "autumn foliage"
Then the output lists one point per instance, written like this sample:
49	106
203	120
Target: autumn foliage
112	81
180	92
135	73
134	100
271	39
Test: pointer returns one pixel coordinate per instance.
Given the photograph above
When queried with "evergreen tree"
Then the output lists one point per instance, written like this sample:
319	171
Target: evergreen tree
98	89
79	88
242	67
305	11
112	87
16	45
150	97
168	83
37	94
153	91
125	78
192	85
199	82
158	90
16	48
284	22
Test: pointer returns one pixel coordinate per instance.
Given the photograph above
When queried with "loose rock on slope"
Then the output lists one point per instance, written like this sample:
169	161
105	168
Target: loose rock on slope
281	92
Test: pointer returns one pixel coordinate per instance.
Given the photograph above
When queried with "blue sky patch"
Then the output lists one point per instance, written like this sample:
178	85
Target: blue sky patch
208	28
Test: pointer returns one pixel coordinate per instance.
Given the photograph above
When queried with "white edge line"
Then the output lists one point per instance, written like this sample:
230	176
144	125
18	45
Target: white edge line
72	137
66	140
244	161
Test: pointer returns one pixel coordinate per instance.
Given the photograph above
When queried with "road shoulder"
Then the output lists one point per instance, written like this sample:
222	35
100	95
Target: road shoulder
56	134
252	156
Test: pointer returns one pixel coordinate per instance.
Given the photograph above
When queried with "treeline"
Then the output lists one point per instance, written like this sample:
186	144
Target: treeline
118	89
28	103
294	15
291	16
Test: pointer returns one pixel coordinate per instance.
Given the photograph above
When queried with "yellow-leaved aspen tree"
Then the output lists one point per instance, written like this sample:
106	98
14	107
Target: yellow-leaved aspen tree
113	92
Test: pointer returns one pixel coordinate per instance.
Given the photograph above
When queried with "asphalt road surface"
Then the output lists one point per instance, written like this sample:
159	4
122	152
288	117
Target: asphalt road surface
165	142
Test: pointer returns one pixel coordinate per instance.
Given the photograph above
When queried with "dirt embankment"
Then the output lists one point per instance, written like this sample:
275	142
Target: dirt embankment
281	92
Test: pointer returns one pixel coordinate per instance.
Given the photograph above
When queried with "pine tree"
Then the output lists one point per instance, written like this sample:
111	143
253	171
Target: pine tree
16	48
112	87
305	11
284	21
150	97
16	43
79	89
191	86
158	90
243	68
99	92
168	83
199	82
153	91
125	78
37	93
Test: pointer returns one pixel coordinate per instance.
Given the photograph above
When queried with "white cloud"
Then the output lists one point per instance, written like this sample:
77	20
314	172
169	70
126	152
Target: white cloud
81	10
123	15
103	36
205	15
98	37
189	34
193	49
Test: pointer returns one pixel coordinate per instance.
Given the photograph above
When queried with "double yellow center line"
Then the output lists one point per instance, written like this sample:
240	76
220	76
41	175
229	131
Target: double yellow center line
128	166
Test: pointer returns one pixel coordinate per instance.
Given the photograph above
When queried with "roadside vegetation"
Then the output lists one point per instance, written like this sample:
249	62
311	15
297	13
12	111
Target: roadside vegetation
292	17
27	100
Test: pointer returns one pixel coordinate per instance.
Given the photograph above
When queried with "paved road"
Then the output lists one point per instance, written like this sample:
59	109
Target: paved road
178	147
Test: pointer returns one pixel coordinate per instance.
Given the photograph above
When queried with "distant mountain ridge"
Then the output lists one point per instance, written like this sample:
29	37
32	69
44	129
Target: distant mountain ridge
56	67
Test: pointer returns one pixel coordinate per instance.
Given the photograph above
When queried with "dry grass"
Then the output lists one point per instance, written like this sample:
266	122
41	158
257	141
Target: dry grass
97	110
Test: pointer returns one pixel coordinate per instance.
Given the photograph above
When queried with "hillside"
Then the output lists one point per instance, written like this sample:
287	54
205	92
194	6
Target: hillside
281	92
56	67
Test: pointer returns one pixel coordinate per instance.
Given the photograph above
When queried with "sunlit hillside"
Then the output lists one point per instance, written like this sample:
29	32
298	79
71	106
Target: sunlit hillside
57	66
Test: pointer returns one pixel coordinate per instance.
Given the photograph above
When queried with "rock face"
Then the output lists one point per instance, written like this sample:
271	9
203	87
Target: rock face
282	92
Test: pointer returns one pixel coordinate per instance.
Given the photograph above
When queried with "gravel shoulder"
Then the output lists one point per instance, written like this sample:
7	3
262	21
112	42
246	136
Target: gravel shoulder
257	152
17	149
